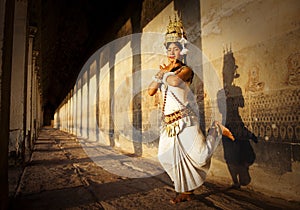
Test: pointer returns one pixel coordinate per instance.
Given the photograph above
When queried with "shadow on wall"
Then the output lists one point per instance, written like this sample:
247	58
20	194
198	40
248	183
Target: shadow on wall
238	154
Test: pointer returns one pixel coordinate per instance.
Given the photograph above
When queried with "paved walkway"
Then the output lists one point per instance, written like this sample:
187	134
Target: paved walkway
65	173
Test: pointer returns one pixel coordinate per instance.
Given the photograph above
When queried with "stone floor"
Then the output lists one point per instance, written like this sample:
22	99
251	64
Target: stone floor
67	173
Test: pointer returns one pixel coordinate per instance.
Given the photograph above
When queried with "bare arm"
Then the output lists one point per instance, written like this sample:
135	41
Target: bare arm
154	85
181	75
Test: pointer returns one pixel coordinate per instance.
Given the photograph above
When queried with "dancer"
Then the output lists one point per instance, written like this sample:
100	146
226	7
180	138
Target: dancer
184	152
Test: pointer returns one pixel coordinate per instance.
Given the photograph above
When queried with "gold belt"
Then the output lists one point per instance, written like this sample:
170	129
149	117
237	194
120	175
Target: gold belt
170	118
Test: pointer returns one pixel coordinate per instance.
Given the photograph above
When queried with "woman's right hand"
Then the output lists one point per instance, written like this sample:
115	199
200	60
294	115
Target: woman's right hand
164	67
173	64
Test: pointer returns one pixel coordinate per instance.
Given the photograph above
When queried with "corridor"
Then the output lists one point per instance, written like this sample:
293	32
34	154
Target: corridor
60	175
79	129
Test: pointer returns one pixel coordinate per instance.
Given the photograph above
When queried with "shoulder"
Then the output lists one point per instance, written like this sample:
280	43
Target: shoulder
184	70
185	73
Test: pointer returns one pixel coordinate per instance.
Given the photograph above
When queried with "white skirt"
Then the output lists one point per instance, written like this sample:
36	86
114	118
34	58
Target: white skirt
186	156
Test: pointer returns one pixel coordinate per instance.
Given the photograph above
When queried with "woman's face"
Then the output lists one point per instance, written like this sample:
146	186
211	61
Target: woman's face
173	52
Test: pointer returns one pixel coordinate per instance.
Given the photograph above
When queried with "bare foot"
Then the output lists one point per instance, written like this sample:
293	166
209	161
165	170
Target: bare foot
225	131
181	198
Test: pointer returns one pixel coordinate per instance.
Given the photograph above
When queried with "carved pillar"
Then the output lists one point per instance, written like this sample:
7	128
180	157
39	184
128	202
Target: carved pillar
28	131
34	101
6	47
17	112
39	102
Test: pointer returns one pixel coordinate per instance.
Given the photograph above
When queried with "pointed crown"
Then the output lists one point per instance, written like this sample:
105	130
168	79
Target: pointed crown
175	31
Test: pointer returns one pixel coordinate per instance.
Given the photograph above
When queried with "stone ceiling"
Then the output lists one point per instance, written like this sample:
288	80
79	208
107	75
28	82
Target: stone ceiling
68	33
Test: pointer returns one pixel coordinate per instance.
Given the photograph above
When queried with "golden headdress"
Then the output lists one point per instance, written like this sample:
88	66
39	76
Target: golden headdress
175	31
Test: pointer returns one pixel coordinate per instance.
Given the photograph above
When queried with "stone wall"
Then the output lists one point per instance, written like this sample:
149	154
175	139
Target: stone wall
260	39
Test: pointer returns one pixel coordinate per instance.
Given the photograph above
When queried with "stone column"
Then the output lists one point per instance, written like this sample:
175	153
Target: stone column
6	47
28	131
17	113
34	93
75	107
71	124
39	105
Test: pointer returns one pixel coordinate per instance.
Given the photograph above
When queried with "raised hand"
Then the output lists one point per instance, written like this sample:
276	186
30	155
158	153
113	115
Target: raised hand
173	64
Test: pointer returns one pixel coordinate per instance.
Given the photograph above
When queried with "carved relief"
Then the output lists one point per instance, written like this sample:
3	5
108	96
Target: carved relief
262	131
253	83
268	130
255	130
290	132
271	115
274	116
297	132
275	131
293	64
282	131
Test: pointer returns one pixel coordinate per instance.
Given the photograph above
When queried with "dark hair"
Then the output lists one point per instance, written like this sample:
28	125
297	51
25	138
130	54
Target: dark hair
178	44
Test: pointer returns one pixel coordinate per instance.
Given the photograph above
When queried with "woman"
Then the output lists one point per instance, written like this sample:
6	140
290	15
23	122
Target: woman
183	150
